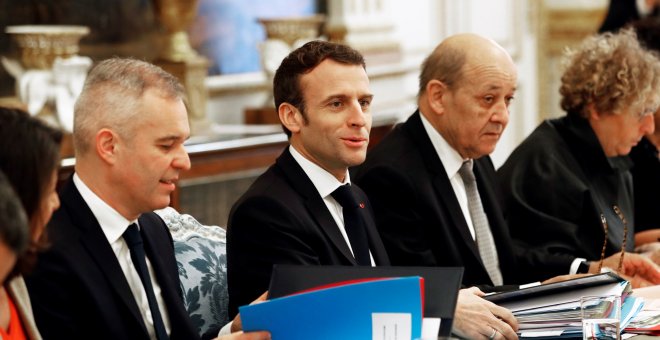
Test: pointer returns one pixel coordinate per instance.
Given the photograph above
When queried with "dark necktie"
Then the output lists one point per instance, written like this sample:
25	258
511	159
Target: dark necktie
136	247
485	242
353	223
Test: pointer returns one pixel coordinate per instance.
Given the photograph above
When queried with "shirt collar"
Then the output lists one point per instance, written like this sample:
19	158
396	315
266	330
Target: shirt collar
449	157
112	222
324	182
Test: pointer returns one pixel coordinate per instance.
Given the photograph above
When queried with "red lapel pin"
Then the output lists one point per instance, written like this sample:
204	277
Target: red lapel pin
361	205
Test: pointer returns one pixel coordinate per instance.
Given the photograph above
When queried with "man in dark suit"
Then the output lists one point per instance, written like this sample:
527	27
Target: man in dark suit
413	176
430	209
111	272
291	214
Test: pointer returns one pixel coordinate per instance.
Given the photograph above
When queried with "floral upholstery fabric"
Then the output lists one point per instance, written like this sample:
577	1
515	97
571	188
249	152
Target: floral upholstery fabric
201	256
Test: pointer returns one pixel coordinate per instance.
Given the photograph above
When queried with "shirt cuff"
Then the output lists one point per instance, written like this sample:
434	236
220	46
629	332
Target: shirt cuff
528	285
575	265
226	330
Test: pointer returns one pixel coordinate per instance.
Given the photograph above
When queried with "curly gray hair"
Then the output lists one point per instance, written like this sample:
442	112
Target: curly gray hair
610	72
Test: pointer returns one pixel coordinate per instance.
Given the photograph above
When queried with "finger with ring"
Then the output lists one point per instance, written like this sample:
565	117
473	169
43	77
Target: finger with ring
492	336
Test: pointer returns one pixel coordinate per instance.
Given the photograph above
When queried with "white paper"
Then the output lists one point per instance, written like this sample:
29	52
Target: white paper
430	328
540	334
391	326
564	300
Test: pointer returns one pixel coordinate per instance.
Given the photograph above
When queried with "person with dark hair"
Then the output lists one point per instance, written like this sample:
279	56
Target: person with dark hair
14	239
110	271
621	13
33	175
646	181
289	215
567	187
16	320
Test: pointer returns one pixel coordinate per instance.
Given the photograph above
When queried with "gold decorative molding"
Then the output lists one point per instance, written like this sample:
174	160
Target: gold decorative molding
567	28
192	74
557	29
41	44
176	16
293	29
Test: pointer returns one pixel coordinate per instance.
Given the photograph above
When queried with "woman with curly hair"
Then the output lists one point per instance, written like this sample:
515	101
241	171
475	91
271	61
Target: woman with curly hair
567	188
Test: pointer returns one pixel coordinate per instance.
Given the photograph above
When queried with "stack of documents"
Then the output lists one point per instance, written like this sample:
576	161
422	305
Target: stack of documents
648	320
377	309
553	311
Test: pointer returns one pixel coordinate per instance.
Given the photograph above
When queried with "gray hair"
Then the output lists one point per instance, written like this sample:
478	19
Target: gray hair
445	64
111	97
610	72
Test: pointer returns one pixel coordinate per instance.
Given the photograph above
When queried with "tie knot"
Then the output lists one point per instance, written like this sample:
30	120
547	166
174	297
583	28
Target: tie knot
132	236
466	171
345	197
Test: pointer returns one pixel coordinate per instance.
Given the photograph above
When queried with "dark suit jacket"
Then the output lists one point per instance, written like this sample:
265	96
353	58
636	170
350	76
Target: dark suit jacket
282	219
556	184
621	13
418	214
78	289
646	185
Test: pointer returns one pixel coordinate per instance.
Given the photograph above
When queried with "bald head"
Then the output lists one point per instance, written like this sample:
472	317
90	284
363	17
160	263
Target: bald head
459	55
466	87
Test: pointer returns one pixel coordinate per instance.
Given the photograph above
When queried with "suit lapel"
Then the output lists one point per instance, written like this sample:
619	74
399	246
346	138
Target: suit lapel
375	242
297	178
154	243
98	248
441	183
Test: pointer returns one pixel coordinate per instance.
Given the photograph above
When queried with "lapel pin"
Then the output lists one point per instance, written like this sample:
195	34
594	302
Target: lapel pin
361	205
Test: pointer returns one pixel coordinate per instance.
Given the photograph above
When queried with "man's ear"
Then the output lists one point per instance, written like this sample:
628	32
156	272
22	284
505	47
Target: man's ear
435	90
106	145
290	117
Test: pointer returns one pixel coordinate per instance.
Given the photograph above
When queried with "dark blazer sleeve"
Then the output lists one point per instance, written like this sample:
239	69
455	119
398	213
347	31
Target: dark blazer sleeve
547	226
54	301
262	231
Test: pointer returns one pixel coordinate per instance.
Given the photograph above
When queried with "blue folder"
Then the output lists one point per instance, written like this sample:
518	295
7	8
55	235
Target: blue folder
339	312
441	284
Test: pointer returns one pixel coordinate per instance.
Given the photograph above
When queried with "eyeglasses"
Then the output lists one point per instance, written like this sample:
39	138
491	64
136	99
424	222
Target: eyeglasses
603	221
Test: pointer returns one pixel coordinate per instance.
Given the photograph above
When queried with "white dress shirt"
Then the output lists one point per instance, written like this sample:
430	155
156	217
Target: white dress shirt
325	183
113	225
452	161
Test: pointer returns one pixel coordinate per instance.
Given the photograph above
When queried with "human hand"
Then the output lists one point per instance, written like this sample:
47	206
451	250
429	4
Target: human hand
476	318
637	269
654	256
650	250
236	324
648	247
